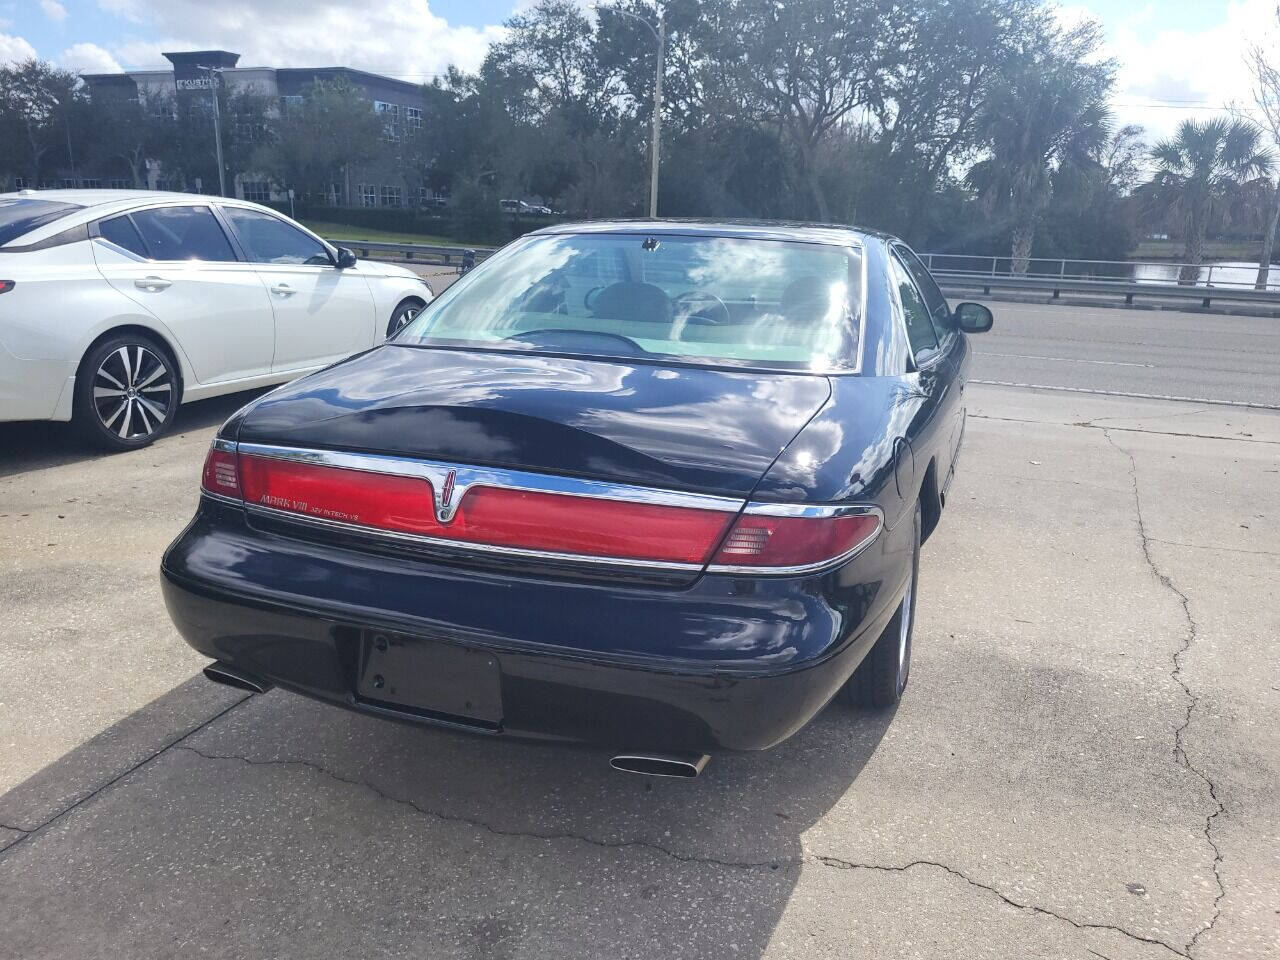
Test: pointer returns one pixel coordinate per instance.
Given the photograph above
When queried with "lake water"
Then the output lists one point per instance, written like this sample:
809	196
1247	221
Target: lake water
1226	273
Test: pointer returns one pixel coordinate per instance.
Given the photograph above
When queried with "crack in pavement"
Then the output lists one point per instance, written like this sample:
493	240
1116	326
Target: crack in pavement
1093	425
652	846
1179	749
27	834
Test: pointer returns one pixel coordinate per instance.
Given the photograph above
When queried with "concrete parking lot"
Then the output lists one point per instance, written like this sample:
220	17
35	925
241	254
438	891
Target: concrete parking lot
1087	762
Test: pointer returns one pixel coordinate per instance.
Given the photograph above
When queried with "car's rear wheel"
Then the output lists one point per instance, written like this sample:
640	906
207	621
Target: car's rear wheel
881	679
127	392
402	314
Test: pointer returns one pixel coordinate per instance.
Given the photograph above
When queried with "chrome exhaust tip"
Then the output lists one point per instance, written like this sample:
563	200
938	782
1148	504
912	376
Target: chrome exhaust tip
684	766
219	672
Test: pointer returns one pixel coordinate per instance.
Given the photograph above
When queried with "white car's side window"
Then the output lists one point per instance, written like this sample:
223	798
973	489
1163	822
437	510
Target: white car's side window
269	240
182	233
121	231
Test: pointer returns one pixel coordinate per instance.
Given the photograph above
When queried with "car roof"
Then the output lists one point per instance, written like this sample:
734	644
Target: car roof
89	198
745	229
96	204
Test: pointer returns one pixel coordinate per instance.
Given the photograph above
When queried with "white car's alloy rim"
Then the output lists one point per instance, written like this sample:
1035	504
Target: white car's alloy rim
404	319
132	392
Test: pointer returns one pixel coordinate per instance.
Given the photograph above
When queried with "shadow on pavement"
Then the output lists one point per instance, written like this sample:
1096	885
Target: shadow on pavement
290	828
34	445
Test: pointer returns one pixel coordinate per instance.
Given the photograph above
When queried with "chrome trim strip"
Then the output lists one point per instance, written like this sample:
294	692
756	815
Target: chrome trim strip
222	498
466	546
469	476
225	446
820	511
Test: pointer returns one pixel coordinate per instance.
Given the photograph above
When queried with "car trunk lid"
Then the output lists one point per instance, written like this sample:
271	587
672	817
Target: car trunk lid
677	427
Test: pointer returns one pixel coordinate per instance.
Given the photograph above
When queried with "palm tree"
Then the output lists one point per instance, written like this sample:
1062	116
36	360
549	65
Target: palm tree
1200	172
1049	118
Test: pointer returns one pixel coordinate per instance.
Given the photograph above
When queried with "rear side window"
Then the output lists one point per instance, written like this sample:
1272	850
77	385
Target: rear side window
182	233
267	239
22	215
122	232
914	311
929	289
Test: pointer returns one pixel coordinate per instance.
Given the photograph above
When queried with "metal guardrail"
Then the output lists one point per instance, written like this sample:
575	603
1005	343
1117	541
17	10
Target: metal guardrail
1216	275
1127	288
417	252
987	277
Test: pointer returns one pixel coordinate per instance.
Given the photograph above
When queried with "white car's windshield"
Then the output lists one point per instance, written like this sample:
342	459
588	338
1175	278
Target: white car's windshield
741	302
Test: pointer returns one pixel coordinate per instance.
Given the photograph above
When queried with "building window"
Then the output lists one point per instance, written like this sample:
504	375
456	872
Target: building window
292	100
117	184
19	183
391	197
413	117
68	183
257	191
368	195
390	113
90	183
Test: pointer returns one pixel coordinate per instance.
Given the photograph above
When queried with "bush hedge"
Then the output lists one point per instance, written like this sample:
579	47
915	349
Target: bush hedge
464	223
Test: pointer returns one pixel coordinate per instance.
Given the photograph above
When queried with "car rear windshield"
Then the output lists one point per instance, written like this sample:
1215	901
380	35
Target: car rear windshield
698	299
21	216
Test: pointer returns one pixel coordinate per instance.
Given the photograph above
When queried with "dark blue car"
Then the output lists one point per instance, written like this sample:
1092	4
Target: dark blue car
656	486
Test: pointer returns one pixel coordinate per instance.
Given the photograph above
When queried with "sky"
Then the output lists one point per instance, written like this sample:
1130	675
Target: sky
1177	58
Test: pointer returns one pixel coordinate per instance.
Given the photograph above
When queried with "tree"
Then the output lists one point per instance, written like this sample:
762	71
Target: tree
1201	171
314	144
806	67
36	106
1266	94
130	131
1046	117
928	99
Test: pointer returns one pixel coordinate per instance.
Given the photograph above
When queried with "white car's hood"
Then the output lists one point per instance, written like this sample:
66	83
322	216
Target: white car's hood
375	268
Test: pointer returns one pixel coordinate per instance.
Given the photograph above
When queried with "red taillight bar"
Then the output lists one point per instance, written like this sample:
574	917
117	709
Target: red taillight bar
6	286
781	539
538	515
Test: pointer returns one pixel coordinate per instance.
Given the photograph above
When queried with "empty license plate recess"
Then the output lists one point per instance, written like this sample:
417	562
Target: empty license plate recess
432	678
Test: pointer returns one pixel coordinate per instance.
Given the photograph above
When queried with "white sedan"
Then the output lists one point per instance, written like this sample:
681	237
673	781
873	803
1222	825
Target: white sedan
116	306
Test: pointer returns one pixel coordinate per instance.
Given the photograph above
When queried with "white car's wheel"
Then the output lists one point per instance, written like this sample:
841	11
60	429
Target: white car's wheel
404	312
127	392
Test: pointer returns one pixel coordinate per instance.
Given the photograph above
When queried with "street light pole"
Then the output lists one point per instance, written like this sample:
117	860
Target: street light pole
217	128
657	119
660	35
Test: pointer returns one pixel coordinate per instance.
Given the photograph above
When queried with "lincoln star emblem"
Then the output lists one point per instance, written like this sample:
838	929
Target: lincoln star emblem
446	494
446	485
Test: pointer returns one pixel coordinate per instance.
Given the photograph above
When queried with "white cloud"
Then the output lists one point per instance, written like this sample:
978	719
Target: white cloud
54	10
89	58
1167	75
395	37
14	49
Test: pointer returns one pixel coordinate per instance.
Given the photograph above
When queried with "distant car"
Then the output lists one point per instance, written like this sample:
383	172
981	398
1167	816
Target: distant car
118	305
659	486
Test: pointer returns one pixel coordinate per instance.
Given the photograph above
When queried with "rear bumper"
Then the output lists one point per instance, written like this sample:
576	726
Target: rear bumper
31	389
577	662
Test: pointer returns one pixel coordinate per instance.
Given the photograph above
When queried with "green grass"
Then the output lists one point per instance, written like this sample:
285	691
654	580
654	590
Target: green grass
1213	250
340	231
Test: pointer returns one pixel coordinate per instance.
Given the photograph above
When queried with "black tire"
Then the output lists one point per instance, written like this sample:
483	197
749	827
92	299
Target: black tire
128	389
881	679
405	311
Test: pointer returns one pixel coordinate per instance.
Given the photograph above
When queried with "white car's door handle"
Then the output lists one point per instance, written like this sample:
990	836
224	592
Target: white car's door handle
153	284
283	290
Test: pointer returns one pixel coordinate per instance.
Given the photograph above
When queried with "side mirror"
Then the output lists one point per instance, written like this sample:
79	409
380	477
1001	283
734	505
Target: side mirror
346	258
973	317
